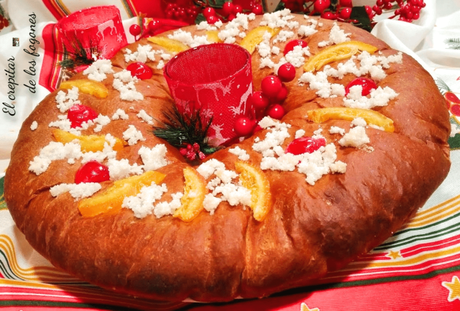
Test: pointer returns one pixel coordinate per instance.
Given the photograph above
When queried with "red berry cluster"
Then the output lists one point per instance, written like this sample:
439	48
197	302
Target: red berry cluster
408	11
229	11
182	12
192	152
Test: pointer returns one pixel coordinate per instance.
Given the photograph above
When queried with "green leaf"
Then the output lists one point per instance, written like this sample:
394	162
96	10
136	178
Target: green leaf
359	13
200	18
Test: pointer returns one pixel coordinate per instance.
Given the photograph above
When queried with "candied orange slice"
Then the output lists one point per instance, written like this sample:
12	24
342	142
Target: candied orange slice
337	52
88	143
90	87
194	193
171	45
256	36
213	36
254	179
110	201
341	113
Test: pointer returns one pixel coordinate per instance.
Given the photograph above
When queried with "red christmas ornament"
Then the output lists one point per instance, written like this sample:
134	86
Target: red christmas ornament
92	171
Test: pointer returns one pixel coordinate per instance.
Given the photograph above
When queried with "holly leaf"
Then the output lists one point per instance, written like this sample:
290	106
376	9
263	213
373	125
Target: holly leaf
359	13
200	18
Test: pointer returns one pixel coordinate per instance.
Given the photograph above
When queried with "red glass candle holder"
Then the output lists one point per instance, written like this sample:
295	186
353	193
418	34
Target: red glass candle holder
215	79
96	29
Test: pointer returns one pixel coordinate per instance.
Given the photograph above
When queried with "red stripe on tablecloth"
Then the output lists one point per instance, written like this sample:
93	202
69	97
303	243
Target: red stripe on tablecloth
412	295
55	9
50	71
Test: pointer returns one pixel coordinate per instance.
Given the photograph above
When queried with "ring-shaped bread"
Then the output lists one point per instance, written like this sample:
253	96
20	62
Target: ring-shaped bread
312	227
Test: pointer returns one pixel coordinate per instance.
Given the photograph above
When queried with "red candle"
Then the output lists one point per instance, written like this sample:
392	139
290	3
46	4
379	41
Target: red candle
96	29
217	80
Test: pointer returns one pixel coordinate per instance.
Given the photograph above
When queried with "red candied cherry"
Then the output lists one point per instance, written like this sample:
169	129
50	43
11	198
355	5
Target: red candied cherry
78	114
259	100
293	43
244	126
367	84
140	70
286	72
208	12
305	145
321	5
271	86
345	13
227	8
92	171
282	94
276	111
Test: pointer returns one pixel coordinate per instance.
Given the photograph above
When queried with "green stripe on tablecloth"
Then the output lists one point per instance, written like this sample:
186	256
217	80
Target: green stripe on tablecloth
2	199
423	236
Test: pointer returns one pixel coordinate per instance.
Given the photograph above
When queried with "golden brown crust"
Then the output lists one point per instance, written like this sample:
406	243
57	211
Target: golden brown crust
309	230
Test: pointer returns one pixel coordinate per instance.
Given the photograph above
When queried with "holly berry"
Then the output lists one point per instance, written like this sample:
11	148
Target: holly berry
140	70
208	12
282	94
367	85
259	100
276	111
92	171
329	15
237	9
293	43
244	126
227	8
321	5
78	114
345	13
258	9
135	30
346	3
286	72
271	86
305	145
212	19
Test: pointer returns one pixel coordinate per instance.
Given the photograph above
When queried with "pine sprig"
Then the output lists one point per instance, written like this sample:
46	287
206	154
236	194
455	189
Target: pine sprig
79	57
181	130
